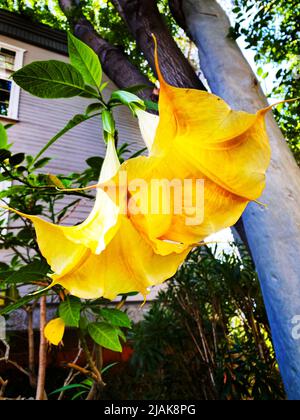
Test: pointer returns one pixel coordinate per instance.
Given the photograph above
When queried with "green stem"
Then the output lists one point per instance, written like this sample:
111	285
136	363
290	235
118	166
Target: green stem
54	139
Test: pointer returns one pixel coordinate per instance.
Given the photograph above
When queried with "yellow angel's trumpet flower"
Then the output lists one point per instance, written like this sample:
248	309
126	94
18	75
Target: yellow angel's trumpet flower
106	255
66	247
54	331
198	136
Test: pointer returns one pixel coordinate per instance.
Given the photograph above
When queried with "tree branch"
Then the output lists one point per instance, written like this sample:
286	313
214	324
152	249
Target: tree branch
40	392
144	19
115	63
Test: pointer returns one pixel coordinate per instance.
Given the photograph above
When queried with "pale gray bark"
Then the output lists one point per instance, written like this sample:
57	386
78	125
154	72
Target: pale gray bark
274	232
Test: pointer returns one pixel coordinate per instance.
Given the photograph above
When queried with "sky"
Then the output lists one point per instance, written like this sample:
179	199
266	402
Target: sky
267	84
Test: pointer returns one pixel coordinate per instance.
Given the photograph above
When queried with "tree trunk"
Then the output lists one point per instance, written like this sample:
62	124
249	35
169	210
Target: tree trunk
143	19
273	232
115	63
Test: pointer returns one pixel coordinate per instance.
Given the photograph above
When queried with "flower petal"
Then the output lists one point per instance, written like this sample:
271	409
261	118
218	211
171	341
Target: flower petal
54	331
66	247
229	147
128	264
198	217
148	125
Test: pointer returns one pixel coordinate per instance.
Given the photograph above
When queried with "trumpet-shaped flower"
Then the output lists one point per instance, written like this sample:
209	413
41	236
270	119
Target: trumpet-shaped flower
105	255
198	136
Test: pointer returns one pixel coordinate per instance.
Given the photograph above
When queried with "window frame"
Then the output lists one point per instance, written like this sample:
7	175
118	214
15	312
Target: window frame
14	99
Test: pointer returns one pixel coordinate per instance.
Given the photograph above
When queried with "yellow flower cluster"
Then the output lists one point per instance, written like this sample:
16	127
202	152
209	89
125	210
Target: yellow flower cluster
197	136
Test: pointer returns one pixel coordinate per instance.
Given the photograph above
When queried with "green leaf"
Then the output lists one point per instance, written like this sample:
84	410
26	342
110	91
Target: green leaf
138	153
15	160
4	154
95	162
79	394
83	323
93	108
69	311
127	98
50	79
105	335
41	163
116	317
108	367
35	271
7	126
103	86
67	388
265	75
85	60
21	302
152	106
108	122
89	92
260	71
3	137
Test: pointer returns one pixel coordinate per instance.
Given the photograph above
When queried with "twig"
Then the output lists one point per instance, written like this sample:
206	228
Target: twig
19	254
75	205
82	370
71	375
40	392
7	350
208	14
31	359
7	360
15	364
3	385
98	381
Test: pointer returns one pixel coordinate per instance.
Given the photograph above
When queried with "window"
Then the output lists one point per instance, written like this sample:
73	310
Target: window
11	59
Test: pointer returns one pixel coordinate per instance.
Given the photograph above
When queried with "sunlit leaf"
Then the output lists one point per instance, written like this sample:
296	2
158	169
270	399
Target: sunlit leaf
85	60
50	79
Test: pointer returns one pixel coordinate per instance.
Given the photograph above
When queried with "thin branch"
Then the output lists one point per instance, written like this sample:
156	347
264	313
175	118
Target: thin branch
71	374
40	392
31	358
15	364
3	385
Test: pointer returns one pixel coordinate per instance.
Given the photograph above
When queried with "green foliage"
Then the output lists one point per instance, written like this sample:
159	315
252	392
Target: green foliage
271	28
116	317
69	311
36	270
206	337
108	122
106	335
38	11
